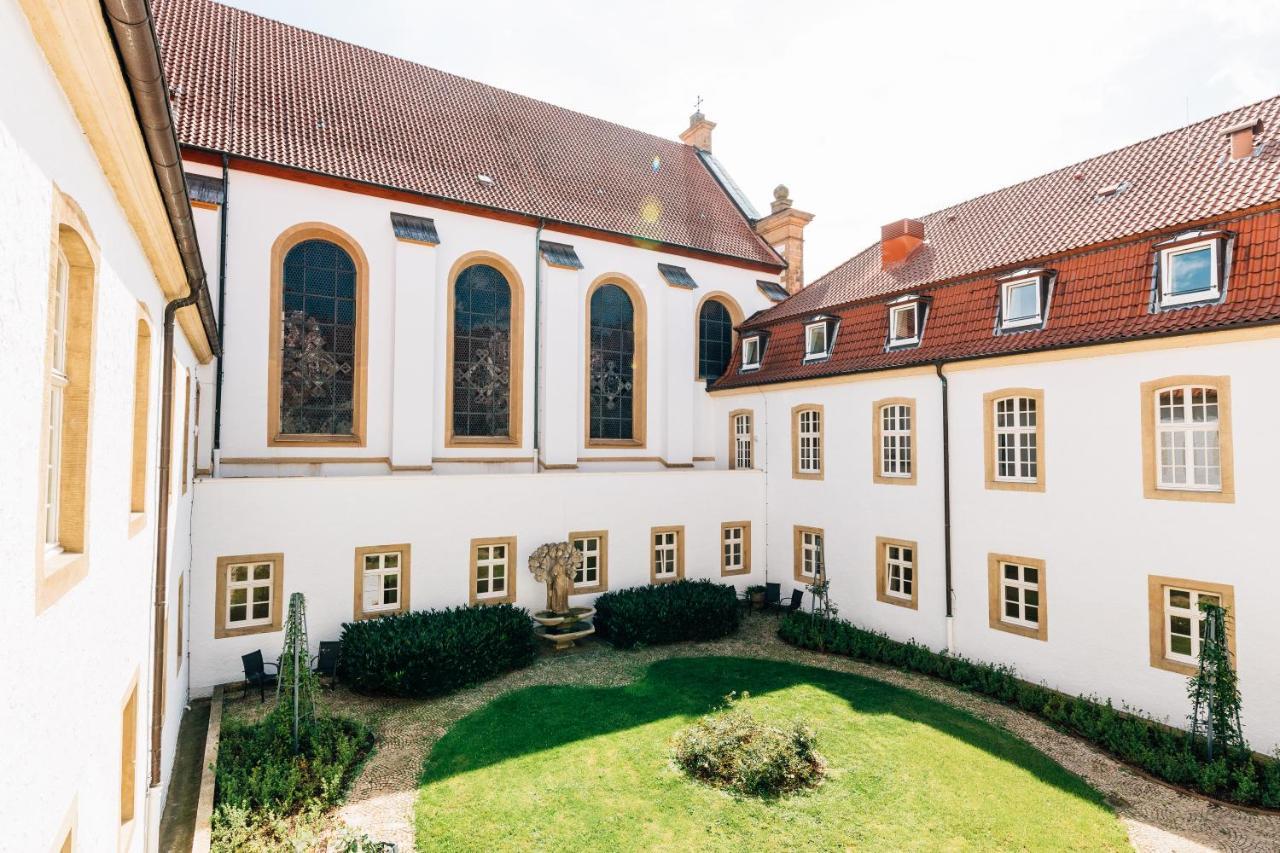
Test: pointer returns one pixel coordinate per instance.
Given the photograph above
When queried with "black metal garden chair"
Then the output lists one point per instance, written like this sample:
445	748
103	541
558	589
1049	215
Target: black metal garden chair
256	675
326	662
797	599
772	595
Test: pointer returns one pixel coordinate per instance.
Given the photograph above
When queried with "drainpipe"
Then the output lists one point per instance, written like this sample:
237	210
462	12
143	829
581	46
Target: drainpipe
946	503
222	302
537	342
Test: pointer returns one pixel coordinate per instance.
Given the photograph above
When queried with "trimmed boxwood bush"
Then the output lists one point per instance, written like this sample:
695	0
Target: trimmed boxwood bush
432	652
1160	750
667	613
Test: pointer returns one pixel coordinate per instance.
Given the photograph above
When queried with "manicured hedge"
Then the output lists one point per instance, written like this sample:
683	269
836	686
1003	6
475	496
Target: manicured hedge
432	652
1158	749
667	613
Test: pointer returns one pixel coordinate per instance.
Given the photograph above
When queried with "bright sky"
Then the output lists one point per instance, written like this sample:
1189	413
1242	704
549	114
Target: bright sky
869	112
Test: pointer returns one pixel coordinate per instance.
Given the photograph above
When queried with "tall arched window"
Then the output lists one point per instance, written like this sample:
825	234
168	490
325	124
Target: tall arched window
318	339
715	339
483	363
615	365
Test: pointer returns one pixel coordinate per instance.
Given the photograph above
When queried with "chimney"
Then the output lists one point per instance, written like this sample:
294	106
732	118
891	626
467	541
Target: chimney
698	133
1240	137
784	230
898	240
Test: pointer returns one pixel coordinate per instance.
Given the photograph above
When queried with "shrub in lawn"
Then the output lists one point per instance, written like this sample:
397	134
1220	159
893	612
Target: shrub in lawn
1160	750
667	613
732	749
432	652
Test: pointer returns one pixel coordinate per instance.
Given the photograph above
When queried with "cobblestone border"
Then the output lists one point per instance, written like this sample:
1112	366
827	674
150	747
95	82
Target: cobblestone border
203	835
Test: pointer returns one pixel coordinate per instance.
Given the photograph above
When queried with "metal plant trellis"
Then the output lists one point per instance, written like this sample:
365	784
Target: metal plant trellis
296	687
1214	689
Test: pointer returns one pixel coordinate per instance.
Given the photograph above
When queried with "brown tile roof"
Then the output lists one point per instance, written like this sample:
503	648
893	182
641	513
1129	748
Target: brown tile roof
1100	295
259	89
1177	177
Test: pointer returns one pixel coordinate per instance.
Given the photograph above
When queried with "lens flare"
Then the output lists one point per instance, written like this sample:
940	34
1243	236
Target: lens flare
657	164
651	210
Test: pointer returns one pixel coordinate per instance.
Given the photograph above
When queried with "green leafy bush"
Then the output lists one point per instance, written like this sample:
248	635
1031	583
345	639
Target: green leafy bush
732	749
432	652
1160	750
667	613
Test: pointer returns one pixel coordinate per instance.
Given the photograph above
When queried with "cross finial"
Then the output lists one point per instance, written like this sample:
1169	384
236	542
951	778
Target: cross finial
697	106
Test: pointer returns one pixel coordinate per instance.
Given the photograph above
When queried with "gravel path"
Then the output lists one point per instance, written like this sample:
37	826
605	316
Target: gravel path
1159	818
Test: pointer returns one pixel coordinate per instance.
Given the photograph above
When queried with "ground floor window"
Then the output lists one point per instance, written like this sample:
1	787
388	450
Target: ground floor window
250	590
896	581
735	547
382	580
593	574
492	578
668	554
1177	622
808	553
1017	596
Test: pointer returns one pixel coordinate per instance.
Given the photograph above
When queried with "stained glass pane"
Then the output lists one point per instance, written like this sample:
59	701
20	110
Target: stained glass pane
715	339
317	364
482	353
613	348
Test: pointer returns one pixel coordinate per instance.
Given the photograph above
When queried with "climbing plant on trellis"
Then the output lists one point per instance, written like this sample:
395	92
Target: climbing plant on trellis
1215	690
297	686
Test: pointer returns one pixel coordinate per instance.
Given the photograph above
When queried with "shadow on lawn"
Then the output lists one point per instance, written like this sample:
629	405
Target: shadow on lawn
544	717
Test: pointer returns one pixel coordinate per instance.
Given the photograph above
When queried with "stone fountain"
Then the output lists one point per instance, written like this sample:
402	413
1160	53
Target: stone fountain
555	564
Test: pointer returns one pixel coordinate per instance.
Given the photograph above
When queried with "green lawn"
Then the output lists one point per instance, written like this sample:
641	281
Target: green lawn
582	768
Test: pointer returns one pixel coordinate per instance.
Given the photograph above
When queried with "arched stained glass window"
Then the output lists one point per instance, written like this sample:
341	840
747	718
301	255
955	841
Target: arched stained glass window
612	364
715	339
318	345
482	353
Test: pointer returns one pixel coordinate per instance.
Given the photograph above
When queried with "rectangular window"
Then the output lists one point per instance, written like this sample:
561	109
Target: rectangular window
1189	273
1017	596
1186	438
141	423
129	755
896	581
667	562
751	353
893	435
58	382
904	325
806	442
382	580
735	548
1014	427
1177	622
742	446
250	592
593	575
1020	303
815	340
809	560
492	570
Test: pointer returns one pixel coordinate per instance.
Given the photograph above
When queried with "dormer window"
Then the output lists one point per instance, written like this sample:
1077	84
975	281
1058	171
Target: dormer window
1190	269
1024	298
904	325
752	349
815	341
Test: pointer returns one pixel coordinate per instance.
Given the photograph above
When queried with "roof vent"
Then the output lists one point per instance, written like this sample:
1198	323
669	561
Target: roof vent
484	180
898	240
1240	136
1113	189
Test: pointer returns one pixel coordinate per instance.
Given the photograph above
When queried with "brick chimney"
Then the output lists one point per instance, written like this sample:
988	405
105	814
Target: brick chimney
784	230
1240	137
698	133
898	240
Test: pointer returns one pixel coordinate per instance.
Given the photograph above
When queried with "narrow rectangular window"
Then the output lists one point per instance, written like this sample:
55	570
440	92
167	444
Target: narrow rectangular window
896	576
141	423
382	580
735	548
1016	595
1184	622
58	382
1187	424
750	353
492	564
250	593
806	439
809	557
129	755
1014	426
815	336
593	575
904	325
895	441
743	441
668	554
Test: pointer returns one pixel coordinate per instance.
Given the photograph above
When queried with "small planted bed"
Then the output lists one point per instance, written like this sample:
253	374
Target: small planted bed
626	768
667	613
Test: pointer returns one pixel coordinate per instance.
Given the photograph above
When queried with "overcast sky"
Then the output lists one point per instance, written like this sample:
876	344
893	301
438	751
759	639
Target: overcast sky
869	112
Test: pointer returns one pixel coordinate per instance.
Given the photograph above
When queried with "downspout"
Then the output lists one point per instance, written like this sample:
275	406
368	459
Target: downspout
129	22
537	343
222	302
946	503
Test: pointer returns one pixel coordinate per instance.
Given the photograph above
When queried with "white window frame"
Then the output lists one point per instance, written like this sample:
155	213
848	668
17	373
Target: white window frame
1021	438
58	382
1186	432
810	353
895	440
589	552
378	575
1167	297
1194	614
743	442
894	311
901	569
733	548
810	553
485	567
1006	290
250	584
1022	586
809	425
666	553
751	353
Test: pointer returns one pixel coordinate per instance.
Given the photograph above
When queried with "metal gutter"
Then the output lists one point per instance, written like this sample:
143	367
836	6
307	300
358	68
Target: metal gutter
537	344
946	499
222	303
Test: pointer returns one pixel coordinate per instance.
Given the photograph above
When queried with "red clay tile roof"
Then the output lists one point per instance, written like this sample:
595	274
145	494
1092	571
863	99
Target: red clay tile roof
256	88
1178	177
1100	296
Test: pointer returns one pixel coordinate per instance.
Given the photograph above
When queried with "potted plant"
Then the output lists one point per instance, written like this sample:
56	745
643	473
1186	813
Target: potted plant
755	592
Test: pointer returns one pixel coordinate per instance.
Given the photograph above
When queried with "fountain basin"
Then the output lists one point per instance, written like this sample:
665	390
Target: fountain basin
575	614
565	635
